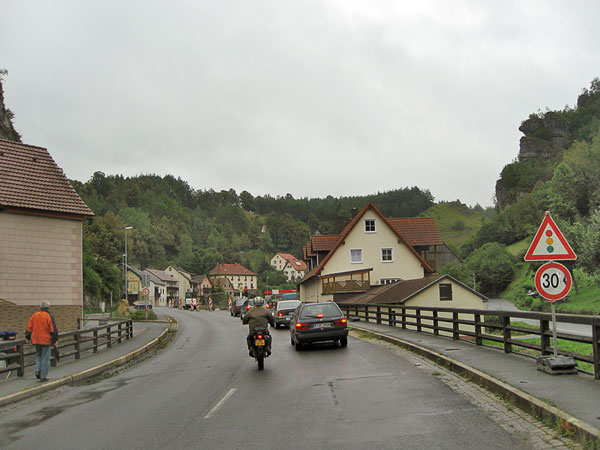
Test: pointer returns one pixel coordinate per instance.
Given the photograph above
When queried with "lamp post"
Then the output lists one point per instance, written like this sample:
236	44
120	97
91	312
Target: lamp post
125	265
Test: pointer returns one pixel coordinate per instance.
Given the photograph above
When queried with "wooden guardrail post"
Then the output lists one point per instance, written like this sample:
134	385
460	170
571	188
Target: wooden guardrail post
455	327
596	346
120	339
391	317
478	338
436	324
95	341
545	347
418	313
77	338
403	312
378	315
506	334
108	337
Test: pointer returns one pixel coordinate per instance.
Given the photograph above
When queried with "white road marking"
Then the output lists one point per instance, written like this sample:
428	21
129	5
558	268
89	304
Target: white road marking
213	411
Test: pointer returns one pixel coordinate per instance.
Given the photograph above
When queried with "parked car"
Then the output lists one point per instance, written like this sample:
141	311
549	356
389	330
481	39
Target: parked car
236	306
283	311
318	322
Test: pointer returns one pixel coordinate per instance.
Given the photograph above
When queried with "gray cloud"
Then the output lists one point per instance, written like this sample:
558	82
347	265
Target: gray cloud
313	98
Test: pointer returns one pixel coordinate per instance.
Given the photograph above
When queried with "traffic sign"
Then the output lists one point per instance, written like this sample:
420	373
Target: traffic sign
549	243
146	292
553	281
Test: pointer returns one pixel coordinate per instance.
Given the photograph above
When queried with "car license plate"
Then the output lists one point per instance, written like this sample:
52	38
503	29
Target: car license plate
260	342
322	325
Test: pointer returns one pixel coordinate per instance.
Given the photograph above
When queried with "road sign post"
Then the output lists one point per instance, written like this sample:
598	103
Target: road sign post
553	282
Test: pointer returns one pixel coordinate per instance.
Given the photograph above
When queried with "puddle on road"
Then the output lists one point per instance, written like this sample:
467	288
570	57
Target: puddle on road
9	432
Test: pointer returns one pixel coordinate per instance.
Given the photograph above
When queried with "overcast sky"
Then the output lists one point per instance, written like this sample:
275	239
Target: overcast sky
311	98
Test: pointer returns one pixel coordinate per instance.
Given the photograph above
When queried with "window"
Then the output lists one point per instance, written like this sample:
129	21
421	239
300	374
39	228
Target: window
370	226
445	291
356	256
386	255
383	281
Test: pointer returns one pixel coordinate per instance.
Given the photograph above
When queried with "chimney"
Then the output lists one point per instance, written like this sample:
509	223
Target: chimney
354	212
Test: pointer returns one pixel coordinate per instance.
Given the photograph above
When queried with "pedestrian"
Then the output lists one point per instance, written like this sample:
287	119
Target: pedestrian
42	332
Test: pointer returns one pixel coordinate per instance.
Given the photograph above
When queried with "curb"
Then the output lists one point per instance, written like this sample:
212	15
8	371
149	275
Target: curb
71	380
566	423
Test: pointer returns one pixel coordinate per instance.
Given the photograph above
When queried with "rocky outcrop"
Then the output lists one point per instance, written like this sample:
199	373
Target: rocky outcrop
7	131
544	136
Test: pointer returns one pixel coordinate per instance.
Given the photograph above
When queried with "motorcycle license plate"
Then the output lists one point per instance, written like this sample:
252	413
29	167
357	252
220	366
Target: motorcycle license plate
260	342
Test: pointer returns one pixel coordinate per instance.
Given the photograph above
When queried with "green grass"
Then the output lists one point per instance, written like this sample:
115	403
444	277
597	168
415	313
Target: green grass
456	222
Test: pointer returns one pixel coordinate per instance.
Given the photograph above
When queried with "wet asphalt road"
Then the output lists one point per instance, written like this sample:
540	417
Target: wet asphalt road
203	391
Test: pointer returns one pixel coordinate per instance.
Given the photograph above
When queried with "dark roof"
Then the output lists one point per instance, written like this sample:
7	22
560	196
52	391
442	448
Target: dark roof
30	179
418	230
401	291
162	275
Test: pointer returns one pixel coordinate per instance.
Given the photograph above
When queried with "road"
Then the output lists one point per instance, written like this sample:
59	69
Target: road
203	391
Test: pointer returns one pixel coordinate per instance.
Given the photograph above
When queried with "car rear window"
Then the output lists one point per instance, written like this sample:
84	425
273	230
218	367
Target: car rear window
314	311
288	304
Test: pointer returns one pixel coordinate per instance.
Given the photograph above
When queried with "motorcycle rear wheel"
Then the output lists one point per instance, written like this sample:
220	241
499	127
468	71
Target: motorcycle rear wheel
260	359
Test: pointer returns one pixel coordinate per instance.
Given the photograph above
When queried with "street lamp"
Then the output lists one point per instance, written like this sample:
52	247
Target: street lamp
125	256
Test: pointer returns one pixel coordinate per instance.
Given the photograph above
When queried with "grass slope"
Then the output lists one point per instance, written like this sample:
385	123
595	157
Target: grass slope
456	221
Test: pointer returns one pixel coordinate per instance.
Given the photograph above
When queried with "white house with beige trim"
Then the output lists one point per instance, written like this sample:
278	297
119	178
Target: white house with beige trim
369	251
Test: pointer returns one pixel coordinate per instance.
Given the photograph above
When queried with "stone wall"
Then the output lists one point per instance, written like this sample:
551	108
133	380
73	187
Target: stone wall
15	317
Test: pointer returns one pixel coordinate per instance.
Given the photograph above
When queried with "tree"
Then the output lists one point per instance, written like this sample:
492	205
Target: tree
493	267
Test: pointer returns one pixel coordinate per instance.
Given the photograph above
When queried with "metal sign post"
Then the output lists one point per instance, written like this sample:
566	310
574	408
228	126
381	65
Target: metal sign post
553	282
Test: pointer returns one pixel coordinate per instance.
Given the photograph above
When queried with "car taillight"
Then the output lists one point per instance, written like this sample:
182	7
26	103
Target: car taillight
247	307
279	314
301	326
268	306
320	315
341	323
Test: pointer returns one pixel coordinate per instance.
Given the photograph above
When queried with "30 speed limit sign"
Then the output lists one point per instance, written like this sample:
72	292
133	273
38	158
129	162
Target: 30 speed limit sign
553	281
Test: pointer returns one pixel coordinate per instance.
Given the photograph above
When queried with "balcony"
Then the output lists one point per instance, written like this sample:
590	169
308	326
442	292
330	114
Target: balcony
354	281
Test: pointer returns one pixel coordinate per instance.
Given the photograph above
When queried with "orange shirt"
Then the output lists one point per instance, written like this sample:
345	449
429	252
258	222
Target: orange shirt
41	328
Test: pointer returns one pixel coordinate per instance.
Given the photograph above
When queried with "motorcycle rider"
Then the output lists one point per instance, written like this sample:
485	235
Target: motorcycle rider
258	317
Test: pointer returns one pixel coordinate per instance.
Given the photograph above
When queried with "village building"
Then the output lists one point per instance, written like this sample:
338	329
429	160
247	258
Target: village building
241	279
184	279
171	285
201	285
41	219
293	268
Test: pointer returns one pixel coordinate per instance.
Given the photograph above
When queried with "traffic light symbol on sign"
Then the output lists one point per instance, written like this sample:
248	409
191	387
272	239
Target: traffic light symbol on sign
549	244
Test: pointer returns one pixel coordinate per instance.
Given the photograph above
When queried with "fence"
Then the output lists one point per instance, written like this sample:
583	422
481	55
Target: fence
478	326
19	355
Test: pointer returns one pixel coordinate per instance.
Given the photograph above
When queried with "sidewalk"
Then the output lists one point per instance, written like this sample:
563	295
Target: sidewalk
146	335
572	402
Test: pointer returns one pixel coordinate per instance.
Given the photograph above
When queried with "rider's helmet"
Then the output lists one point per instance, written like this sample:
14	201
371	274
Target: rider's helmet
259	301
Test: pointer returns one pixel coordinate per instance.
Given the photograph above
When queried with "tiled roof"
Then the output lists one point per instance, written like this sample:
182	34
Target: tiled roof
29	178
294	262
230	269
162	275
418	230
323	243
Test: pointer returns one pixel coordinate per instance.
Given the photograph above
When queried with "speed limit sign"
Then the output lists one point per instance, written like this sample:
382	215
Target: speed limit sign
553	281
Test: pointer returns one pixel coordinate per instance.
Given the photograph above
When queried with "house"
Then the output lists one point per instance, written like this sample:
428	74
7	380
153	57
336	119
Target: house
171	284
184	279
241	278
225	285
291	266
368	251
201	285
41	219
441	291
157	288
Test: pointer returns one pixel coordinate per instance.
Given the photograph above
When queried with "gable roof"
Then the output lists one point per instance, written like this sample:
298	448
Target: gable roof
346	230
30	179
418	230
402	291
184	273
293	261
162	275
230	269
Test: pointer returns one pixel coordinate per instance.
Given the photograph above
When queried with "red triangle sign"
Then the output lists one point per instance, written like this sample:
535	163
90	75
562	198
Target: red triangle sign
549	243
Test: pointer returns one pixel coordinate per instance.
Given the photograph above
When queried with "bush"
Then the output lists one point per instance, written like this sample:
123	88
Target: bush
140	314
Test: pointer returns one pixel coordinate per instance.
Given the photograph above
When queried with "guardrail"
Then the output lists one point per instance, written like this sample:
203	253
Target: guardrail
18	355
477	326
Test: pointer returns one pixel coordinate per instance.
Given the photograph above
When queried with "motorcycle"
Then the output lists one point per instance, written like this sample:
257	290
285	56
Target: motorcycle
260	342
